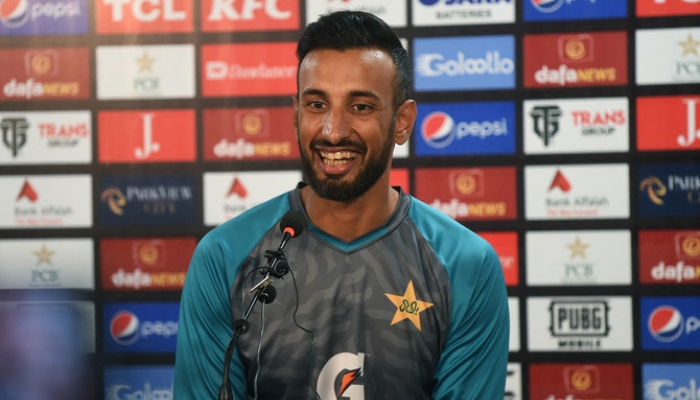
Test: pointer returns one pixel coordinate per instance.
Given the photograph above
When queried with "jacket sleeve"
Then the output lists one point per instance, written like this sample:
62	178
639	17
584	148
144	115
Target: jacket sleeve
205	325
474	362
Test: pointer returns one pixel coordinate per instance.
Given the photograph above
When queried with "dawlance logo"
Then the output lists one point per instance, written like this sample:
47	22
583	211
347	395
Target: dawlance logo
342	377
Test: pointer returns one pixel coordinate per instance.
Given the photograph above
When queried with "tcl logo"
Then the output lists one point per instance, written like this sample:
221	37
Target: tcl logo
121	16
217	15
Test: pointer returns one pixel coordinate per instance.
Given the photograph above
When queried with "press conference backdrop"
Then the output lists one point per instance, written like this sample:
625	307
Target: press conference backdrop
565	132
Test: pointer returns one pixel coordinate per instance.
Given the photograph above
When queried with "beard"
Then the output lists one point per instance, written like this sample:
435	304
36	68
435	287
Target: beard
334	187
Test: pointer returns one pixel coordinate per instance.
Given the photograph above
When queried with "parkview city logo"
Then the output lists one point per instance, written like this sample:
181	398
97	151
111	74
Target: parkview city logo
556	126
580	59
393	12
47	264
249	15
145	72
449	12
138	16
586	191
464	63
43	17
44	74
249	134
669	189
146	136
669	256
581	381
249	69
677	117
145	264
580	323
668	56
51	137
560	10
227	195
46	201
487	193
660	8
465	128
147	200
591	258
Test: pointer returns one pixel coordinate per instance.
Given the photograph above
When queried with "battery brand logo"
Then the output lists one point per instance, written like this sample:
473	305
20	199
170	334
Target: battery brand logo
245	69
676	115
43	73
147	136
249	15
588	59
659	8
469	194
255	133
665	324
143	16
461	12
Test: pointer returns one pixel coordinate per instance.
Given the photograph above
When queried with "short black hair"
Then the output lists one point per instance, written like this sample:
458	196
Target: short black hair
343	30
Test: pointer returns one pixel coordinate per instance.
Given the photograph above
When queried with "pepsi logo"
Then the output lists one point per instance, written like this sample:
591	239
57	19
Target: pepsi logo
665	324
14	13
437	129
124	328
547	6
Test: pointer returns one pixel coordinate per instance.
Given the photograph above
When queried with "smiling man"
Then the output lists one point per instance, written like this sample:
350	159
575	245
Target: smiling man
387	297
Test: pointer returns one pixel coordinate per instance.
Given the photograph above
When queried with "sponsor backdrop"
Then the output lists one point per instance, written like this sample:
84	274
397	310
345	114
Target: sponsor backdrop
565	132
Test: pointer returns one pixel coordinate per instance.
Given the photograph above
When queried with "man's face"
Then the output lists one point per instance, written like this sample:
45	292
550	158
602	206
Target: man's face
344	120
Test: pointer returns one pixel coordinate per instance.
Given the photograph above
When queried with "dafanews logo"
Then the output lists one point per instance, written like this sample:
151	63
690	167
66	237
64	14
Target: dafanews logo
43	17
579	59
466	128
560	10
669	190
670	323
342	377
464	63
140	327
561	381
669	256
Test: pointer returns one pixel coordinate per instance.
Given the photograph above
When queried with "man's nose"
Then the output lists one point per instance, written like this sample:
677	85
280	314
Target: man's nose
336	125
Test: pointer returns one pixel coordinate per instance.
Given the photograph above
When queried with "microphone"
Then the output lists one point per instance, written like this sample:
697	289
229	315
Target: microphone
291	225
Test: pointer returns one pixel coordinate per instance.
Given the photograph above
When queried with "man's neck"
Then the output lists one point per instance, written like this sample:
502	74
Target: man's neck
349	220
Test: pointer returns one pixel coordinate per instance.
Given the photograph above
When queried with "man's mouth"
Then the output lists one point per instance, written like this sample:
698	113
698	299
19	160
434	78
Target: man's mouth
338	157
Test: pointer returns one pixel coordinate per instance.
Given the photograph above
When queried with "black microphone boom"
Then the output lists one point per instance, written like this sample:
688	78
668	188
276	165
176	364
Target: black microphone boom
291	225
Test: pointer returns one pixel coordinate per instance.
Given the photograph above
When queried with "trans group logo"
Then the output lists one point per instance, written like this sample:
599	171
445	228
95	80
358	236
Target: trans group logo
466	128
671	323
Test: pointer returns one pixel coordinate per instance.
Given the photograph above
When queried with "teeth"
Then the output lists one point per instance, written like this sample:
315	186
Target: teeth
337	155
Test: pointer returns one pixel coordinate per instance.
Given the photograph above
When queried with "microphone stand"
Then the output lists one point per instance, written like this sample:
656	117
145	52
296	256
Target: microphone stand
262	291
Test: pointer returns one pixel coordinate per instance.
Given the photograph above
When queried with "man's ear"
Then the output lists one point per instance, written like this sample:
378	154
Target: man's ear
295	115
405	119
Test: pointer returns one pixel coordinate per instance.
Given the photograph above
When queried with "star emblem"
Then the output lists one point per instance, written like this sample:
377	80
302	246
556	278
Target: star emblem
690	46
145	63
43	255
578	248
407	306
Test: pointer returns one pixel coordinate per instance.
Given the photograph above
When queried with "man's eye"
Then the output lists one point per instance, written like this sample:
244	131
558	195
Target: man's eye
316	104
362	107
